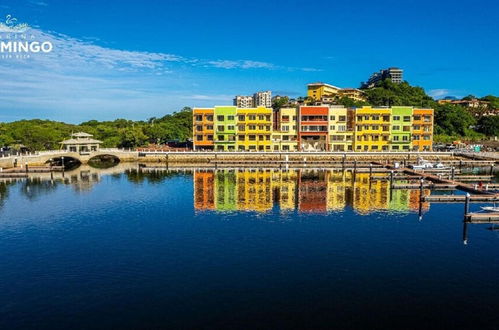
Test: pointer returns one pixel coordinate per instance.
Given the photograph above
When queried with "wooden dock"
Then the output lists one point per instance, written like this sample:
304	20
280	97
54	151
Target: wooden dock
482	217
460	198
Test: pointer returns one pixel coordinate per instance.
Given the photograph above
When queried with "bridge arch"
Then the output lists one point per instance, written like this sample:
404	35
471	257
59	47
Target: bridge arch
103	160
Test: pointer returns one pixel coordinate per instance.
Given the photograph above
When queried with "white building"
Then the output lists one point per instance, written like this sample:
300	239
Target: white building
263	99
242	101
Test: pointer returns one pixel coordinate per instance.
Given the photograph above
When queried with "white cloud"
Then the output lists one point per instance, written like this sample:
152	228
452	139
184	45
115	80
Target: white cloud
80	80
439	92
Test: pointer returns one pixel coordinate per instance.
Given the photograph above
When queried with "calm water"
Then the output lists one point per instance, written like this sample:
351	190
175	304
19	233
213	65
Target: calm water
117	248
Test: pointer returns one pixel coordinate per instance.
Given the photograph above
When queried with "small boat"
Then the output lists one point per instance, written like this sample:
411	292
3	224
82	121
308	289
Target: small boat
490	208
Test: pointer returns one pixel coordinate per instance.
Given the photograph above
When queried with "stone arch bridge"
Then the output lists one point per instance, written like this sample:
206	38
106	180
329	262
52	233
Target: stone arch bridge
42	157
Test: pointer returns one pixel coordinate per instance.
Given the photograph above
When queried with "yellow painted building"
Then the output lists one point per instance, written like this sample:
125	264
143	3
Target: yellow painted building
317	91
338	184
353	93
285	134
340	130
372	129
254	129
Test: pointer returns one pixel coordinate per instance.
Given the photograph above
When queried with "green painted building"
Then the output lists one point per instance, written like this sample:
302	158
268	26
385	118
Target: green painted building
225	128
401	126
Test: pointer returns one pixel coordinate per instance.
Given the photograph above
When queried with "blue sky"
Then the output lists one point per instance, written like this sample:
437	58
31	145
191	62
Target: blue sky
138	59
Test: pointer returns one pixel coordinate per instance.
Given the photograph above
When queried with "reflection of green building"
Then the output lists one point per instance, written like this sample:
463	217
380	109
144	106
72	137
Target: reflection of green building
225	128
400	200
400	134
225	190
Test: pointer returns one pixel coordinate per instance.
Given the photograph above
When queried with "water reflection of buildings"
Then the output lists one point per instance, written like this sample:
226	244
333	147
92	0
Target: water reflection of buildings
303	190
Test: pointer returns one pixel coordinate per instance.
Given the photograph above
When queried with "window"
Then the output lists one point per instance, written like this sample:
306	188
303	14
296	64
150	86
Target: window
241	128
426	137
252	127
407	118
395	147
374	148
417	127
405	147
396	128
209	118
252	137
261	117
209	127
332	128
210	138
396	138
252	117
285	137
221	128
386	128
199	137
220	118
427	119
199	117
407	128
285	118
199	128
417	117
241	137
359	118
342	118
285	128
405	138
231	127
241	117
396	117
342	128
332	117
375	117
375	127
416	137
221	138
260	138
386	118
230	117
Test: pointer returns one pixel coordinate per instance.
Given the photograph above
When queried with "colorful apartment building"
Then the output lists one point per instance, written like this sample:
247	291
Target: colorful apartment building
254	129
400	132
372	129
285	133
225	128
203	128
313	128
422	129
340	129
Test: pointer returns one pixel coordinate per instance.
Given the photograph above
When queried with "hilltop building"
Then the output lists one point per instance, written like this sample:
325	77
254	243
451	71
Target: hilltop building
394	74
325	93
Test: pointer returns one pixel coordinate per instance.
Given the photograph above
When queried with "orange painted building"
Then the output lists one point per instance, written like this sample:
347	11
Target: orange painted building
202	125
313	128
422	129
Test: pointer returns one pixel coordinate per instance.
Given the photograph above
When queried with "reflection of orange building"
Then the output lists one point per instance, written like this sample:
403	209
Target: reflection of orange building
414	200
254	190
204	188
312	191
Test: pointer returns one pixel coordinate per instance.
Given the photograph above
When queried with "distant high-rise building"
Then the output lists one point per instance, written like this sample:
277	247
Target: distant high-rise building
262	99
259	99
242	101
395	75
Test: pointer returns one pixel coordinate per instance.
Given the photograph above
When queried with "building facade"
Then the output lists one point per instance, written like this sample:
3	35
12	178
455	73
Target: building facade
203	128
285	133
372	129
254	129
313	128
422	129
316	91
242	101
400	132
262	99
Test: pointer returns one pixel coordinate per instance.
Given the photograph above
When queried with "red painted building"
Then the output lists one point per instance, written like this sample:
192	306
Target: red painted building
313	128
